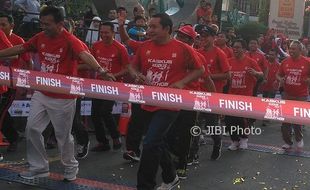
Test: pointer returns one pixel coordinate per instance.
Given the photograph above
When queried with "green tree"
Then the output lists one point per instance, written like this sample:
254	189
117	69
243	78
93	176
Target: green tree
76	7
251	30
263	13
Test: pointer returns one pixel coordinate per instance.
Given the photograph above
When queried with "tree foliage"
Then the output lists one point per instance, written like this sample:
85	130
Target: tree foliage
251	30
76	7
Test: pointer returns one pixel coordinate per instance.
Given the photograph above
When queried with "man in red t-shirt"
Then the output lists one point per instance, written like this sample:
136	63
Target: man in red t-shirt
112	56
244	74
294	74
163	62
179	137
217	63
58	52
259	57
4	43
7	25
270	85
221	42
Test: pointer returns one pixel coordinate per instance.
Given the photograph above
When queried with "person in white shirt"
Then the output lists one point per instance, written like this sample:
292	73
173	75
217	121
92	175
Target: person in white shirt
93	31
123	12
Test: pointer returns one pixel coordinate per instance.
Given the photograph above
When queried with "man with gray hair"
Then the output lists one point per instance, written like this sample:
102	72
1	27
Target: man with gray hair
294	75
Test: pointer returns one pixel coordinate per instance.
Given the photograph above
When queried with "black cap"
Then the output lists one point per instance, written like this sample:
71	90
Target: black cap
201	28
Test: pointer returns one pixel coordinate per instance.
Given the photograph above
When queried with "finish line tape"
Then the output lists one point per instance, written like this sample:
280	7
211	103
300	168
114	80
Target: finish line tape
297	112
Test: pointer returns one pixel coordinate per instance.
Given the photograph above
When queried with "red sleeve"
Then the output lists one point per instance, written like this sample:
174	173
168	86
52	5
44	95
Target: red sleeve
134	45
31	44
4	41
193	58
223	61
136	61
203	62
124	56
85	46
77	46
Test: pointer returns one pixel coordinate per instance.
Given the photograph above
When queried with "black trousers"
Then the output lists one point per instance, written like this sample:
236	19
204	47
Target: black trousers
155	151
242	123
179	137
205	120
78	128
102	117
7	121
136	129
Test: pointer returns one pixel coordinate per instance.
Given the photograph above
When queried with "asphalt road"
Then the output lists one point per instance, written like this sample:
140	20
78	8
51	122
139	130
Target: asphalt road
237	170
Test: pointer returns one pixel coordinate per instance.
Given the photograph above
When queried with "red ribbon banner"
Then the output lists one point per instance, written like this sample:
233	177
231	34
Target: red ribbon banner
243	106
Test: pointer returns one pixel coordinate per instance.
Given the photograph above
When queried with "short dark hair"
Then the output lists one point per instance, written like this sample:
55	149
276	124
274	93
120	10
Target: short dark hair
253	39
9	17
120	9
139	17
165	21
110	24
53	11
241	41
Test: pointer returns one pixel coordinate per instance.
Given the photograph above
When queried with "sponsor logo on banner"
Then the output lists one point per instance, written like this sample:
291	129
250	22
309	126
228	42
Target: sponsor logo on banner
201	102
76	86
135	93
22	78
274	109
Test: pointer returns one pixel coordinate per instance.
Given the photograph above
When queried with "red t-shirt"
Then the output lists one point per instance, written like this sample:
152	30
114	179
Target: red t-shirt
228	52
165	64
201	80
57	55
242	83
4	43
113	57
270	85
259	58
216	62
23	58
84	73
295	73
